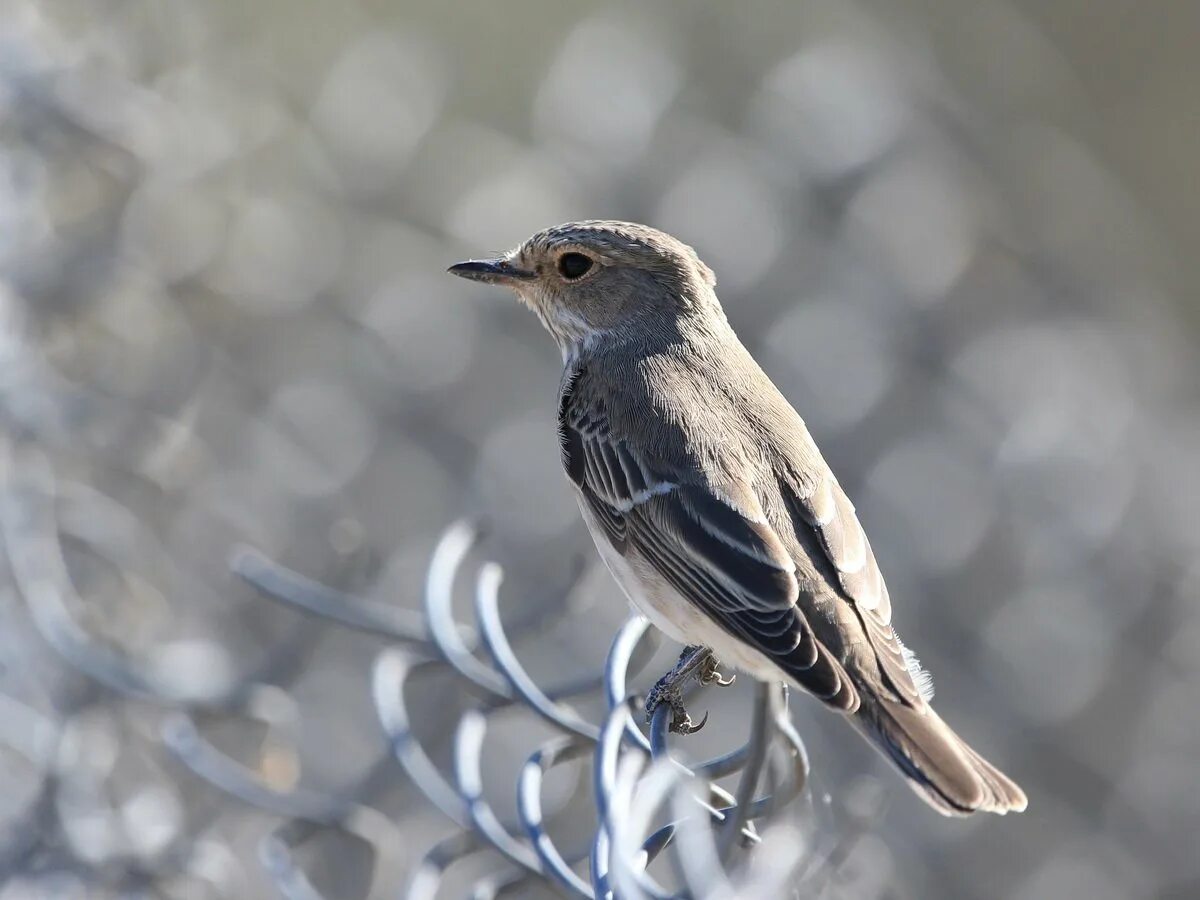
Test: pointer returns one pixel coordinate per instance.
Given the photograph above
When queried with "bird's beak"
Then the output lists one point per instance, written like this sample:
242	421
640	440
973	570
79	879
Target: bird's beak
490	271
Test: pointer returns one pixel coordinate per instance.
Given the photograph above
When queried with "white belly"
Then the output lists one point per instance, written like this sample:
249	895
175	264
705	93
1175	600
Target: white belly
676	617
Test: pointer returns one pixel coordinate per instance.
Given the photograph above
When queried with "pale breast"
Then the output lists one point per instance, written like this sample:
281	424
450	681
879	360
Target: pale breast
676	617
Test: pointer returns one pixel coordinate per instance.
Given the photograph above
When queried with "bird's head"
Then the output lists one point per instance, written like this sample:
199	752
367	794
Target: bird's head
591	280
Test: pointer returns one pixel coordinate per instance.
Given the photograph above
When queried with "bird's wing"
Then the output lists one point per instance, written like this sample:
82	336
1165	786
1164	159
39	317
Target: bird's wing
711	542
816	501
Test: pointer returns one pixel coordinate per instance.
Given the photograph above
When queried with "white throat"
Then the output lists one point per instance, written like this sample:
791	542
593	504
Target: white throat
574	335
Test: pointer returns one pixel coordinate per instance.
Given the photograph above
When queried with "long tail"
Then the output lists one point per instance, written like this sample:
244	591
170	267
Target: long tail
938	764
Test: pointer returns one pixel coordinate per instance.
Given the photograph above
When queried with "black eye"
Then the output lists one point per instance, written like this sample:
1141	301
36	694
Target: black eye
573	265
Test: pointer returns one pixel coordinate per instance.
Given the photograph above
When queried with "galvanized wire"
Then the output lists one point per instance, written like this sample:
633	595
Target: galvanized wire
607	746
637	781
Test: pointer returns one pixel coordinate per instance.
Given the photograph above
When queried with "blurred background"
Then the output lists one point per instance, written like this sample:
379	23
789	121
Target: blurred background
959	234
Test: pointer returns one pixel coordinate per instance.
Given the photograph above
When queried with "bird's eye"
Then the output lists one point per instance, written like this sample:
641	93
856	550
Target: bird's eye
573	265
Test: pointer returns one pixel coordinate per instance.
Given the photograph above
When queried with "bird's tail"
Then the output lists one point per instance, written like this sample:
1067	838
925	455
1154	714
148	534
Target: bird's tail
938	764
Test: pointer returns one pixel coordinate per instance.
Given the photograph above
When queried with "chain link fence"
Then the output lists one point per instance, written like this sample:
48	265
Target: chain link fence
242	654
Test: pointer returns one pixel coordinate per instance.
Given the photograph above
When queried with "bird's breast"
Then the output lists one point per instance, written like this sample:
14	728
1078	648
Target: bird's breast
653	597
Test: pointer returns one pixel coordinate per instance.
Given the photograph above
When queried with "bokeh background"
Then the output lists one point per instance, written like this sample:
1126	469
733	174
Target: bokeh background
959	234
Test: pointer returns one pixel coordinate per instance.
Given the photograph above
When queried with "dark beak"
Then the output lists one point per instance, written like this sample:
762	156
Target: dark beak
489	271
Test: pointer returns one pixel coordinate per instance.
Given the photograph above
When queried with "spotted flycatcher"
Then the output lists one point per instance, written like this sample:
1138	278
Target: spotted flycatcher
709	501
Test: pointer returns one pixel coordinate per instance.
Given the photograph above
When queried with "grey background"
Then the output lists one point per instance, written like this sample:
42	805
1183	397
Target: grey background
959	235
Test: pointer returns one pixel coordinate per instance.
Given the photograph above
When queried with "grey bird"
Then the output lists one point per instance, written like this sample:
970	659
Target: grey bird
710	503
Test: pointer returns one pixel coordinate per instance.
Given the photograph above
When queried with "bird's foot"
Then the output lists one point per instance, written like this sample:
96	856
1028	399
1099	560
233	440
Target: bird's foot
697	662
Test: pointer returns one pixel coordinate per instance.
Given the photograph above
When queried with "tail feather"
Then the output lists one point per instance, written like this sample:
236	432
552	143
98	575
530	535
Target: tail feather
939	765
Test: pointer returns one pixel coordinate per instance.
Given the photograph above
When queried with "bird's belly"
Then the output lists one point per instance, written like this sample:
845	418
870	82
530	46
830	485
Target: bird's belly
676	617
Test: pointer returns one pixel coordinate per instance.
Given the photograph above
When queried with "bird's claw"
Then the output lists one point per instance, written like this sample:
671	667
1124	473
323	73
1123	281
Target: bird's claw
683	725
710	674
667	693
695	662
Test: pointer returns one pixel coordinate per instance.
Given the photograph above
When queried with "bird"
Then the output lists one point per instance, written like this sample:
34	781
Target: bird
711	505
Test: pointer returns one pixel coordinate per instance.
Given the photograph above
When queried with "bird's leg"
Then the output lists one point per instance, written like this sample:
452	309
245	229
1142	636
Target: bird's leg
693	661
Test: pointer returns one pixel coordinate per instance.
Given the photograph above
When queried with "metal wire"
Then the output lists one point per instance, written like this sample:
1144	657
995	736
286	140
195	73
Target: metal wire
609	744
645	800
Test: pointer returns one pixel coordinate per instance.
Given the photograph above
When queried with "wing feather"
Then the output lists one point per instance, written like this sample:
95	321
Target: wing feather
713	544
829	512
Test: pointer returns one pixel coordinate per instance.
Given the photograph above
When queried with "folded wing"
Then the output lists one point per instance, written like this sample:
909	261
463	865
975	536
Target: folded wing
711	542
